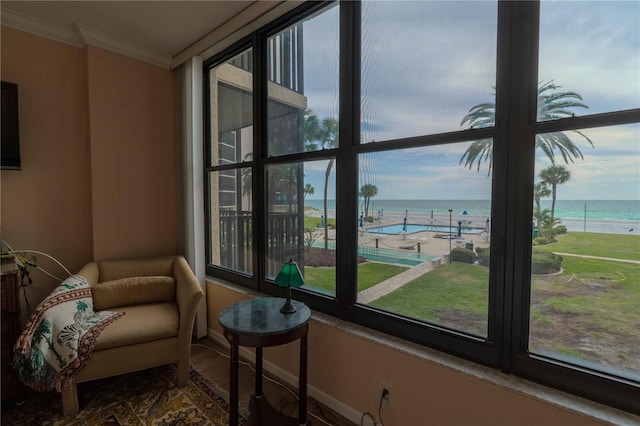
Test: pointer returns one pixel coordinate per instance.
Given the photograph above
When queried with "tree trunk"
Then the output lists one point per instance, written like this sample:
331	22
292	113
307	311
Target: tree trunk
326	218
553	202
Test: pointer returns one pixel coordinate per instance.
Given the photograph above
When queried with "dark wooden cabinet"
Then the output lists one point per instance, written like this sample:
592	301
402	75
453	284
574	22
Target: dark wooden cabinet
11	329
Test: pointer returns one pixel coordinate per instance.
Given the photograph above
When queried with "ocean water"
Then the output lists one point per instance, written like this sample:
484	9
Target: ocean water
603	216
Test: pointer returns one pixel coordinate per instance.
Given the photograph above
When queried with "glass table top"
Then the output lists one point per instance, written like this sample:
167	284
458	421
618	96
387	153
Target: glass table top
262	316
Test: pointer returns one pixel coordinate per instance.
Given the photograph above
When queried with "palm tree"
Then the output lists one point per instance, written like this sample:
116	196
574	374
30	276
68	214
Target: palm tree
539	190
554	175
321	135
308	190
545	224
367	191
311	127
552	105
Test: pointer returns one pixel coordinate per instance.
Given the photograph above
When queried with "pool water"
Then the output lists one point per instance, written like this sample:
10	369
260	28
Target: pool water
408	258
411	228
391	259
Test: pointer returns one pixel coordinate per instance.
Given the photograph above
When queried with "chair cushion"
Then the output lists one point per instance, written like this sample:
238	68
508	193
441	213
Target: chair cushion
133	291
141	323
115	269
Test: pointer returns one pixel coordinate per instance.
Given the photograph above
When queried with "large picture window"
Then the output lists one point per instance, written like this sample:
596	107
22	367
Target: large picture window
463	175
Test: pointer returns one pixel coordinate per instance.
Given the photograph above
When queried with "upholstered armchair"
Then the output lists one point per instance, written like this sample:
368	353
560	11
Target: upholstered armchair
159	297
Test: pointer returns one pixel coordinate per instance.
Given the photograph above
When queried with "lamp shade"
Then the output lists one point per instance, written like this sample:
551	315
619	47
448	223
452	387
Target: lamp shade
289	275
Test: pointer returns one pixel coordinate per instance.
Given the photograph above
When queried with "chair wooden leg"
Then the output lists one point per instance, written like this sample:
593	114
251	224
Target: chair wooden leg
183	373
70	404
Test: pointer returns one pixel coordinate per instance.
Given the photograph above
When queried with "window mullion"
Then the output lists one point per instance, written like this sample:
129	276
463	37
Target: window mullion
521	104
346	170
259	149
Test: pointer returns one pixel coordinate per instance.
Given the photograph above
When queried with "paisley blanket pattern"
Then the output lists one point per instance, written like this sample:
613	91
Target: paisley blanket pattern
59	337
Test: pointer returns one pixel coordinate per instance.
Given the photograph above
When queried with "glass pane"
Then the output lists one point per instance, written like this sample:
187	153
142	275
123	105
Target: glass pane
589	53
424	65
303	85
424	237
301	221
230	226
585	287
231	110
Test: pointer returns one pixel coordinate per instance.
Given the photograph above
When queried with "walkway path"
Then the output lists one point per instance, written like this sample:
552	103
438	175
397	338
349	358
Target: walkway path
393	283
637	262
397	281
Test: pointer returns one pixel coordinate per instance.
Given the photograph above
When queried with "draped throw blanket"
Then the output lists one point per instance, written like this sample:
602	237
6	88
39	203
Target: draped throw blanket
59	337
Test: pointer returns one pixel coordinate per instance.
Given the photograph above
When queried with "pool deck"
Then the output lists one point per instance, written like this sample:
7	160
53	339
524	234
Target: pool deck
430	242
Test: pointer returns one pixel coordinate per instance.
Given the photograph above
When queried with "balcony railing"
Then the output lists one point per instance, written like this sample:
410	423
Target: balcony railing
284	240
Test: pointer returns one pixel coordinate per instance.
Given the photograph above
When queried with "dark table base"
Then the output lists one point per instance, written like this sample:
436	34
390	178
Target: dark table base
263	413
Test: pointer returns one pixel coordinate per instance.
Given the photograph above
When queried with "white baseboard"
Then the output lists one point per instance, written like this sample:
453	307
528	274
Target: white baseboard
291	380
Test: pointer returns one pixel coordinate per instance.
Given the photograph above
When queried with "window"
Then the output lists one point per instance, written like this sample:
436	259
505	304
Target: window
230	155
412	216
419	69
584	283
464	175
584	297
297	230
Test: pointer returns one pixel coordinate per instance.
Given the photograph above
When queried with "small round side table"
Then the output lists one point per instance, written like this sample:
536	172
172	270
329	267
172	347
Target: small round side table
259	323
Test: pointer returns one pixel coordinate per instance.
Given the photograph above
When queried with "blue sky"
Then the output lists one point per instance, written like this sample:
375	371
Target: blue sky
421	74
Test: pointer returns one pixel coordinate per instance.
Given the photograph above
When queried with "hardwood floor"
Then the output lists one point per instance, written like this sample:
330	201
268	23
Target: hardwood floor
211	359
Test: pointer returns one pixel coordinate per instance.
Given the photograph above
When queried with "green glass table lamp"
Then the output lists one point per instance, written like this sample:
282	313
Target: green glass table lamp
288	277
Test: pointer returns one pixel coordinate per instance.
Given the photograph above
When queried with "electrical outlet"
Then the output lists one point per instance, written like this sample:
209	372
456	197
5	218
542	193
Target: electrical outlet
388	400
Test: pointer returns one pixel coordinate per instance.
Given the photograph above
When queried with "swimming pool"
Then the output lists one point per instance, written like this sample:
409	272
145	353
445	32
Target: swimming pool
408	258
411	228
392	259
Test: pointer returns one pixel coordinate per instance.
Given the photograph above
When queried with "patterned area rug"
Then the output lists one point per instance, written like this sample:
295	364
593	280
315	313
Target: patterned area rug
148	397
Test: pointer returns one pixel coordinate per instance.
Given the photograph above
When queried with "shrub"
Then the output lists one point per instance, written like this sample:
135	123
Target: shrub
463	255
369	219
560	229
540	241
483	255
545	262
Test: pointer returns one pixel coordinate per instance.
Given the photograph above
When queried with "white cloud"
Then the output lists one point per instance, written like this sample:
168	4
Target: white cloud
593	48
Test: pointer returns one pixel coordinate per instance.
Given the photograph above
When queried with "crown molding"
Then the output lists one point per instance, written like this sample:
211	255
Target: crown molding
97	38
41	28
249	20
81	36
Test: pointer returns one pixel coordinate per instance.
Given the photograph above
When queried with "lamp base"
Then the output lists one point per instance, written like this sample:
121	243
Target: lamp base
288	307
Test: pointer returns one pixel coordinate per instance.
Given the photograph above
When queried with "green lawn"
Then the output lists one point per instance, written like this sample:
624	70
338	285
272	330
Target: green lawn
591	299
369	274
591	244
600	296
603	294
440	295
314	222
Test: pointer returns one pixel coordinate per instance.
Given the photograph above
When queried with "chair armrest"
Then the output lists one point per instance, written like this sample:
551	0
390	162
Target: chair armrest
90	273
188	295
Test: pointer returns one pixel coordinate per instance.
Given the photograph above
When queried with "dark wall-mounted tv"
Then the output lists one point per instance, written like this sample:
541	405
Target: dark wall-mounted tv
10	154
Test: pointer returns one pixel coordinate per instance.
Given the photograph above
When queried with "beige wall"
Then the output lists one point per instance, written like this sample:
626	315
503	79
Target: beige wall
132	132
98	176
46	206
348	368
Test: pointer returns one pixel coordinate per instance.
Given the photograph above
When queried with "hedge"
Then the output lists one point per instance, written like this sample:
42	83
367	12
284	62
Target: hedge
545	262
463	255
